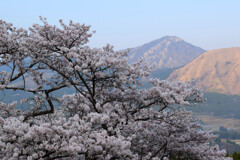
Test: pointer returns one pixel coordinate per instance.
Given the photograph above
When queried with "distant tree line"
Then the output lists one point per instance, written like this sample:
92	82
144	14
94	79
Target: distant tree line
235	156
224	133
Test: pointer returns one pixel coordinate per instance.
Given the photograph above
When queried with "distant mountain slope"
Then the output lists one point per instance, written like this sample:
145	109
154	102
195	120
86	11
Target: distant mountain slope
166	52
215	71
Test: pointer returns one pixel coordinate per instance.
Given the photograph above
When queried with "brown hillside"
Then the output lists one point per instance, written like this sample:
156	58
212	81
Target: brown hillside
214	71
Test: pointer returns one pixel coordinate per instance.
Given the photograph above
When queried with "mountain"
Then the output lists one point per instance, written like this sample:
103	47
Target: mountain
213	71
166	52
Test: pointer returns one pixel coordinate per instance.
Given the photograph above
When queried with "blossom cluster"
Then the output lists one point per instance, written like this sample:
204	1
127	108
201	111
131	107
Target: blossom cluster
108	117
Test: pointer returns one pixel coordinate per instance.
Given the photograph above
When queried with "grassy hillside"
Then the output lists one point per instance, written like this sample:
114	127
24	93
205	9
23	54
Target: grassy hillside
214	71
217	104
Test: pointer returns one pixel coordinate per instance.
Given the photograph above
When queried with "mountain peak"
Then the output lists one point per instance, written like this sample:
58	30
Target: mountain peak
171	38
164	40
166	52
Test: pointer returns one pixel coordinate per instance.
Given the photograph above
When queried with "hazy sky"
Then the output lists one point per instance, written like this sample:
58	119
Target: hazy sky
208	24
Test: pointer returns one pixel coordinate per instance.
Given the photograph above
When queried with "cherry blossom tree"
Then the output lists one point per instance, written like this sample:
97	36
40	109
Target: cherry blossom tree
108	116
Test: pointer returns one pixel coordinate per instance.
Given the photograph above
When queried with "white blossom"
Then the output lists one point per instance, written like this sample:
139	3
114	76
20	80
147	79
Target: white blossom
107	117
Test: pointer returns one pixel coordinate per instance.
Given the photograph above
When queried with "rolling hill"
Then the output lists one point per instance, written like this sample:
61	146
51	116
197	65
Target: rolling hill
213	71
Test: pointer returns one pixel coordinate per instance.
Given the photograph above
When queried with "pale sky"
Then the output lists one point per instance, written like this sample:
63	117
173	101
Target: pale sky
209	24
